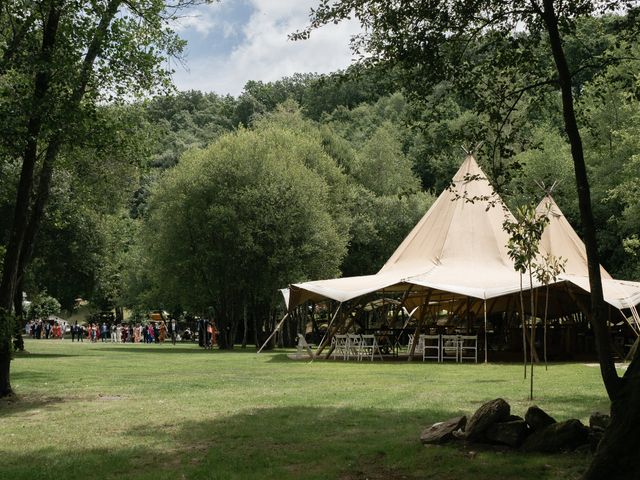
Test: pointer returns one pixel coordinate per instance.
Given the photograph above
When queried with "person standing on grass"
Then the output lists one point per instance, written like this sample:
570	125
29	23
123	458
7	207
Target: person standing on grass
173	330
163	331
104	332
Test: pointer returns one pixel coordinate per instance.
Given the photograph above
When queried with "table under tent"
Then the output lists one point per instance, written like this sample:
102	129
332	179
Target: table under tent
450	290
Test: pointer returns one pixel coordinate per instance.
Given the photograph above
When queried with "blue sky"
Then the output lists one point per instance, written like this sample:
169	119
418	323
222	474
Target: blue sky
234	41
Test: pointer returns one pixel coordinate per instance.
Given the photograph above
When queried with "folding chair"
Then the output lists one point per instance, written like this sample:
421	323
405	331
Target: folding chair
369	346
468	345
353	346
340	343
449	348
431	347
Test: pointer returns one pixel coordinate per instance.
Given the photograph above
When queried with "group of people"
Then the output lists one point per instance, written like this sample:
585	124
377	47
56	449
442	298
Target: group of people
44	329
154	332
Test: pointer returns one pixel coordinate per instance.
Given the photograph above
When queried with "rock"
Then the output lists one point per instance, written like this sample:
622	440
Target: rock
599	421
491	412
510	433
443	431
557	437
537	418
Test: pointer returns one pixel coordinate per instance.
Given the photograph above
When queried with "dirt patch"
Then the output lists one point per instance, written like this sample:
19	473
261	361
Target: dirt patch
373	468
110	398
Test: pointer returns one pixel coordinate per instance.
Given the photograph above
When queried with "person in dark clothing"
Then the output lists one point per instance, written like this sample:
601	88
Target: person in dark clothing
173	330
201	332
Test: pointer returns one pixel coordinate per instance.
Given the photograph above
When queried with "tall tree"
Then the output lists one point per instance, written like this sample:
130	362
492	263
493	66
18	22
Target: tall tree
58	60
253	210
436	40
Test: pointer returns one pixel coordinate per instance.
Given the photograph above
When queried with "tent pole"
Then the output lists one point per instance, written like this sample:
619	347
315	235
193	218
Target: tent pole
416	335
485	331
321	344
274	332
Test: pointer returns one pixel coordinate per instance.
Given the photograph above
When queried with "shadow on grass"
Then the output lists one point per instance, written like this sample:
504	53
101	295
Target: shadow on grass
168	350
288	443
19	404
26	355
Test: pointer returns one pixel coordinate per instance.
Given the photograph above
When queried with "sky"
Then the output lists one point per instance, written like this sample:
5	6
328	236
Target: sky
234	41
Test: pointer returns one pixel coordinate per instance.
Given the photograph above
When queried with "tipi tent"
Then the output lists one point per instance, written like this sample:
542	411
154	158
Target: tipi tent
457	256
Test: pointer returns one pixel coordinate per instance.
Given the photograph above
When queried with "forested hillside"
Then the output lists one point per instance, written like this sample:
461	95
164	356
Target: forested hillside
191	200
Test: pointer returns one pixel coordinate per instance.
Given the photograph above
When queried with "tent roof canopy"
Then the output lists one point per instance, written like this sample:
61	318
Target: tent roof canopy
459	248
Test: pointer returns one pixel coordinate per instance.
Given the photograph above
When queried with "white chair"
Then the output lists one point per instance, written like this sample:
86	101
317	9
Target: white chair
353	345
468	345
340	343
369	346
449	348
431	347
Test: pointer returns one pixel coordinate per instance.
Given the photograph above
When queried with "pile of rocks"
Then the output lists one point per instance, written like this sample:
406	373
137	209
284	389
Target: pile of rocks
493	424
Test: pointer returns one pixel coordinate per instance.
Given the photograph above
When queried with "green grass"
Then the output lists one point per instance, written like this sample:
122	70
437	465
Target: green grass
163	412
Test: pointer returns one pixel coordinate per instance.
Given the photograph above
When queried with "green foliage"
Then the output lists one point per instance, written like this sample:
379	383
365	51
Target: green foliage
525	232
253	211
42	306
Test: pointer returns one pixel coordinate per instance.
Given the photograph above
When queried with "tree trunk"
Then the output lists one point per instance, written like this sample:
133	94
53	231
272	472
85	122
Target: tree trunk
245	324
15	245
598	318
616	457
617	454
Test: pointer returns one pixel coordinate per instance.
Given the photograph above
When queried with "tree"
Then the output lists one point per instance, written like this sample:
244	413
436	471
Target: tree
58	60
422	38
255	209
42	306
525	233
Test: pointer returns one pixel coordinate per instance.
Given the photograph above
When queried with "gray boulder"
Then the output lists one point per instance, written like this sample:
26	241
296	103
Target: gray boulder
537	418
442	432
491	412
510	433
557	437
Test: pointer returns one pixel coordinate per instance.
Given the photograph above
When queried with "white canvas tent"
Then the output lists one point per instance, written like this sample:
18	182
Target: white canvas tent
457	254
458	246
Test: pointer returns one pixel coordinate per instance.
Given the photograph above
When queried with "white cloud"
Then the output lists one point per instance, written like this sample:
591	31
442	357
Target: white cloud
266	53
202	21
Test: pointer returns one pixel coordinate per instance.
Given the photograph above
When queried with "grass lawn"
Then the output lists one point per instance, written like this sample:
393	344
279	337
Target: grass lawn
90	411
